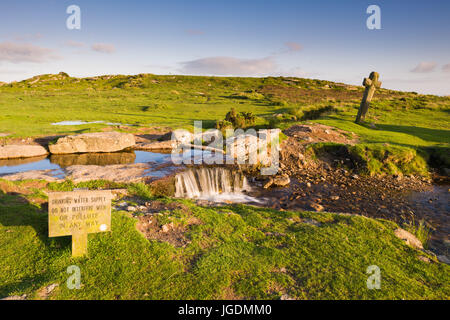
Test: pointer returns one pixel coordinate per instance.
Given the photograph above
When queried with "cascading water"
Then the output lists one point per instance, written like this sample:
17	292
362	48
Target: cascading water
213	184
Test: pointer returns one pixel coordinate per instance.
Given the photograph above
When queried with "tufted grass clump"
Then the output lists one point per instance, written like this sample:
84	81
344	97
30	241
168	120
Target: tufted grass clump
390	159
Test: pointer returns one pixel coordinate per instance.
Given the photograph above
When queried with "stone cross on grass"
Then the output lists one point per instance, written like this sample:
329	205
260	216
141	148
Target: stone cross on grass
371	84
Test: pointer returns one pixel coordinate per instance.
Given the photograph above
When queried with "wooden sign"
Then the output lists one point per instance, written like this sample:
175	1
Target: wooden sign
78	213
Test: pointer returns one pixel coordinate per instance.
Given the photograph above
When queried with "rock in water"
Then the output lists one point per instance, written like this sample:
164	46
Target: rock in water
158	145
179	136
443	259
93	142
21	151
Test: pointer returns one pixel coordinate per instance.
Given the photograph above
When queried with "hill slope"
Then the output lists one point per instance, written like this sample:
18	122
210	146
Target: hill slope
229	252
28	108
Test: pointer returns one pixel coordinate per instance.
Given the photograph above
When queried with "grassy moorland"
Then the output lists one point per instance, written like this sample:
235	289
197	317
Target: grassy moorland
28	108
230	252
413	123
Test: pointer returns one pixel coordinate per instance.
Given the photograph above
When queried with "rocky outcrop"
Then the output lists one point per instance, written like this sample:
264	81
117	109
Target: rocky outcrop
93	142
158	145
180	135
409	238
316	206
21	151
243	146
47	175
278	181
118	173
443	259
257	149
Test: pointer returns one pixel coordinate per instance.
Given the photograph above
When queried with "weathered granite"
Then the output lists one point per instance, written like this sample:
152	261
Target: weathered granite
93	142
21	151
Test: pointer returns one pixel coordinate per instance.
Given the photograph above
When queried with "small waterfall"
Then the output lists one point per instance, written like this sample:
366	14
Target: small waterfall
214	184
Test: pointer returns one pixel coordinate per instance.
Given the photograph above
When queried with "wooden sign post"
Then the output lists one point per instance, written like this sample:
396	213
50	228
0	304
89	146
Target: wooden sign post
78	213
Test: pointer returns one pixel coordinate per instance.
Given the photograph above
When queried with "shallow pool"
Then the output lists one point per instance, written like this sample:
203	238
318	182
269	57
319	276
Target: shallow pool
59	162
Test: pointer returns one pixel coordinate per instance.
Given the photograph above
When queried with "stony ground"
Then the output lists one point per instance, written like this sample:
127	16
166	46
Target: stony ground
331	184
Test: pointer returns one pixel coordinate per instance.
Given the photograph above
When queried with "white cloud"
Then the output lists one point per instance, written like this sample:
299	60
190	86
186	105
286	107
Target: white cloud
446	68
103	47
424	67
230	66
293	46
24	52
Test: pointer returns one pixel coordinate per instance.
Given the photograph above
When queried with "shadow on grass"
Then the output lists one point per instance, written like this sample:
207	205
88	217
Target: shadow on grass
15	211
431	135
24	284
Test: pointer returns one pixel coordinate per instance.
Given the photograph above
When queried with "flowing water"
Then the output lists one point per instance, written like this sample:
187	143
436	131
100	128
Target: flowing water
225	185
216	184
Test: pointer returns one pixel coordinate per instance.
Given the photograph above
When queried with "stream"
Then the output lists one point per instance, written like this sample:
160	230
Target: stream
223	185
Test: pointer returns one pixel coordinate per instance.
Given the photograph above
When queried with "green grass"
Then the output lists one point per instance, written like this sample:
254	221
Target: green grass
415	128
144	100
235	252
28	108
421	230
401	119
381	158
376	158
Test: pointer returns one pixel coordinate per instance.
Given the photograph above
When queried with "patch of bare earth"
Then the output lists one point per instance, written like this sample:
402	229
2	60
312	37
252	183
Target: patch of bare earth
277	289
173	233
45	292
293	156
145	135
229	294
313	133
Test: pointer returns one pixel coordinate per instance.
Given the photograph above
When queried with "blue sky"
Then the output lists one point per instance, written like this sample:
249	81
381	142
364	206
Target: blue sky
315	39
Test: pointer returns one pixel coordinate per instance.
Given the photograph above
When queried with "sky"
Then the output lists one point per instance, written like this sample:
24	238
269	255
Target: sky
322	39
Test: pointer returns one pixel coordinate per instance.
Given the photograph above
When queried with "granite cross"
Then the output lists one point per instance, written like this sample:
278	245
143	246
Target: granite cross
371	84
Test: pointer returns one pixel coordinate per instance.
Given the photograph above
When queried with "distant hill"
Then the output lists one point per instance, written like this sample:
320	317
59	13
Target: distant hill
147	80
